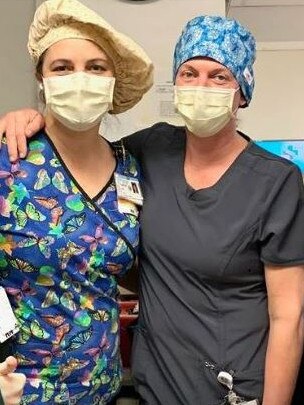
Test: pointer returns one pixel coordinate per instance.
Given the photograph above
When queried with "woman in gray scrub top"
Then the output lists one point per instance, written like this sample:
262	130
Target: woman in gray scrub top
222	242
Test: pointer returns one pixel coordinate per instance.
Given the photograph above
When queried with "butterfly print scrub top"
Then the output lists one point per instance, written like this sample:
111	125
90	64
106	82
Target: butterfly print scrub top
60	253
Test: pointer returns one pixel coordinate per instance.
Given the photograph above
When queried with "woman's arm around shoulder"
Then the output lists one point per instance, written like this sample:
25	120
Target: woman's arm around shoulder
18	126
11	383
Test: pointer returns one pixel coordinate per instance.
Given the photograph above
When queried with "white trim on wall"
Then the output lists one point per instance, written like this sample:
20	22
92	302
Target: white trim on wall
280	46
266	3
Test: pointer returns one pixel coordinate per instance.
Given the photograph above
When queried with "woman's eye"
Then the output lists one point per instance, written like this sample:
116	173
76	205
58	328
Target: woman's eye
220	77
62	69
187	74
97	68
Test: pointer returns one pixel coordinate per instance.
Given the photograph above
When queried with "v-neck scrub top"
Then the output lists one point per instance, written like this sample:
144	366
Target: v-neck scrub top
203	298
60	253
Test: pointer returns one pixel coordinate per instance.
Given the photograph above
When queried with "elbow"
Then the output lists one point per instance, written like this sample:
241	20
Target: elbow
293	319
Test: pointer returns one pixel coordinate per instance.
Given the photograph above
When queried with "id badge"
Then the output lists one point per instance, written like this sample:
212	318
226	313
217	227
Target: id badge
127	207
128	188
8	321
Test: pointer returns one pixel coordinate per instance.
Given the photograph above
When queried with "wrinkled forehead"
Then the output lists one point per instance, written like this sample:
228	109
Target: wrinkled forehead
205	62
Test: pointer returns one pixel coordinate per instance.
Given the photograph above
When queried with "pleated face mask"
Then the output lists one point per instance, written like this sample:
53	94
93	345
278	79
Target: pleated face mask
79	100
205	110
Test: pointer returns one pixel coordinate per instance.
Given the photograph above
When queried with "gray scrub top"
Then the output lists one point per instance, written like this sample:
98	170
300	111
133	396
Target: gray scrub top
203	298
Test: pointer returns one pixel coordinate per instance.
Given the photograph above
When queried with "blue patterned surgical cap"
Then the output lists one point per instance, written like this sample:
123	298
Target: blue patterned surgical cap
224	40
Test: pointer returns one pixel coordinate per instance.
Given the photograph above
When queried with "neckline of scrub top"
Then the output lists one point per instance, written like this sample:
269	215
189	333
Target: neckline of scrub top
70	175
211	191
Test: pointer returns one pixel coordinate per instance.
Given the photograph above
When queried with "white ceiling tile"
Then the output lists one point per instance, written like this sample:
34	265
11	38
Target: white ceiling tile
265	3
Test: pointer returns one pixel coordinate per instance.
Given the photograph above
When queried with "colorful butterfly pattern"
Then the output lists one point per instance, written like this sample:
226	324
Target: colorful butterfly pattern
60	253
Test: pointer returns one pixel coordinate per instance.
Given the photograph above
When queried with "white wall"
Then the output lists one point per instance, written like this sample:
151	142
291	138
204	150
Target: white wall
276	23
17	84
277	108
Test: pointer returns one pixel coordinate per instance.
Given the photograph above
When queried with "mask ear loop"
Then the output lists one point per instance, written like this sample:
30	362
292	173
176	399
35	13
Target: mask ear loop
41	93
233	112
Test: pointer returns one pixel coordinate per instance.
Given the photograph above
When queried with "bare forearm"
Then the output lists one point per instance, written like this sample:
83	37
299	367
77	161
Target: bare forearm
283	358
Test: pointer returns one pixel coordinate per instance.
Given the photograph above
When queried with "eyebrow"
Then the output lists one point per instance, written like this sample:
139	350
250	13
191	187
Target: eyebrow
214	70
221	70
95	60
186	66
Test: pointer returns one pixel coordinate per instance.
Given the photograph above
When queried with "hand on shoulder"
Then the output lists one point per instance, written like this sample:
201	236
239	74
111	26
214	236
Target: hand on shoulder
11	383
18	126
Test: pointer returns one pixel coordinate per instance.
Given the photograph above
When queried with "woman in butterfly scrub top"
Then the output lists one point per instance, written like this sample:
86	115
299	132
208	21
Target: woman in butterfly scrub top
11	383
63	238
221	258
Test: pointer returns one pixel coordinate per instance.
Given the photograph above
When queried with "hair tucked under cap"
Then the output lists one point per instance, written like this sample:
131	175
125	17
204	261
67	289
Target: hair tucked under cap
56	20
224	40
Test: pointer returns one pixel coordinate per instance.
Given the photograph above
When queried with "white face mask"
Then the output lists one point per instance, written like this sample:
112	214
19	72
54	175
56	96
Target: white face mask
205	110
79	100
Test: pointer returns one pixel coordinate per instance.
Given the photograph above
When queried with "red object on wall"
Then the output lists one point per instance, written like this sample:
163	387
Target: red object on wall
128	319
